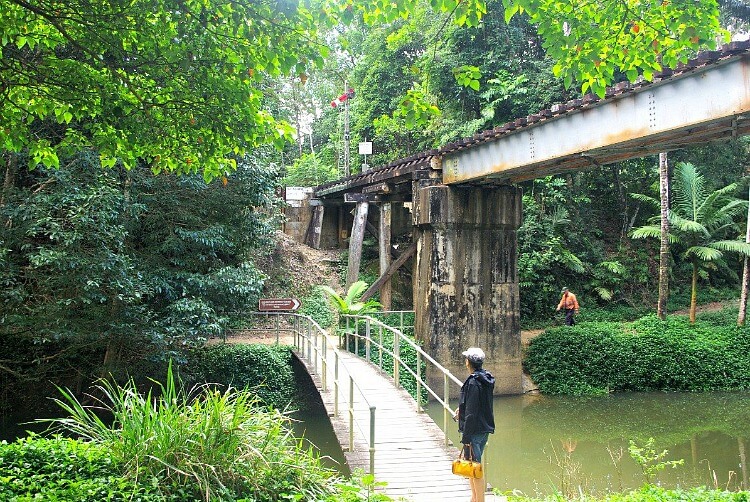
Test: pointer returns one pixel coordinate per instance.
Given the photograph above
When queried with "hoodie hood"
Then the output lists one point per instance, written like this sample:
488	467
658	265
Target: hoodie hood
485	377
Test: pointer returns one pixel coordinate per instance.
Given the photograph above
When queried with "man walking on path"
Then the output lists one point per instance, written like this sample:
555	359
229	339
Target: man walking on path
569	303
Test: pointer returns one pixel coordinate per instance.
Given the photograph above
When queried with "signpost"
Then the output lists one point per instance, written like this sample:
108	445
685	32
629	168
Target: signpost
278	304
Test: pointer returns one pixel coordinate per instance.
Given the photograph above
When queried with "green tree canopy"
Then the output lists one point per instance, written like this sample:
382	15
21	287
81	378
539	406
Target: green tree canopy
179	84
185	85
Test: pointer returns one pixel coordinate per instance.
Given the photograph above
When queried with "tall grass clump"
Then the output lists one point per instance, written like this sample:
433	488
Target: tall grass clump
206	443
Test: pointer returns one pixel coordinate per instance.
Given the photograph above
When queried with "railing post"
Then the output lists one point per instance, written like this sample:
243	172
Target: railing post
346	335
356	337
401	320
351	413
396	357
309	342
380	346
367	340
315	346
298	334
324	362
446	400
372	440
419	382
278	319
336	383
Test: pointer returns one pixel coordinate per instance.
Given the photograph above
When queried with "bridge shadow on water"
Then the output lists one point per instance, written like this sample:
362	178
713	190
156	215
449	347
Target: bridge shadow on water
311	420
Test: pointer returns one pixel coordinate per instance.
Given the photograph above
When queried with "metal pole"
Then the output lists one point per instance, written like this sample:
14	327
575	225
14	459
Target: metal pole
396	356
346	334
351	413
367	339
324	362
446	400
419	382
278	318
336	384
309	343
315	344
380	346
372	440
356	336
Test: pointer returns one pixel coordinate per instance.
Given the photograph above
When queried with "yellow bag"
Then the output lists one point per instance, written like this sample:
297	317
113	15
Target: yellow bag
465	467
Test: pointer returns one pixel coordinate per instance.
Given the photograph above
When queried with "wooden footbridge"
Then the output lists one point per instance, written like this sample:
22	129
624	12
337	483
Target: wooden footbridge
382	429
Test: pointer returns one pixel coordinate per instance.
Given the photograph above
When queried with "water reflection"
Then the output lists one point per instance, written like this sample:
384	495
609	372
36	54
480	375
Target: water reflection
312	422
547	444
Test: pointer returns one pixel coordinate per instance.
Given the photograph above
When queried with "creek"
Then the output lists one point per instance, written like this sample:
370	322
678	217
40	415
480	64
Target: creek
555	444
549	444
558	444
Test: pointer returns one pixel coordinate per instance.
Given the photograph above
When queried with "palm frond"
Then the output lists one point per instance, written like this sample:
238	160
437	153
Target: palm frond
733	246
646	232
689	190
355	291
652	201
604	293
703	253
613	267
681	224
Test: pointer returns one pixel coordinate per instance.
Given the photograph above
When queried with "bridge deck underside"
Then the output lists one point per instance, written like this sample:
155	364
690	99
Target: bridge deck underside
410	455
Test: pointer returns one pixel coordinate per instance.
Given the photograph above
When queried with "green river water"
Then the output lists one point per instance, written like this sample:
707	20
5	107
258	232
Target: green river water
549	444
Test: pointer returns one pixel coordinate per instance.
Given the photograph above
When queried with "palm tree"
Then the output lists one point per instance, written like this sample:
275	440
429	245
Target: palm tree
698	220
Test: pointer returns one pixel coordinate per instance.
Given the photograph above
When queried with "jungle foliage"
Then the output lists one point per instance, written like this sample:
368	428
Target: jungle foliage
264	370
125	266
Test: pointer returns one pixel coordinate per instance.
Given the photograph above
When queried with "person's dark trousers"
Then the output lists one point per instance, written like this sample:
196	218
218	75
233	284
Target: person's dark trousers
570	319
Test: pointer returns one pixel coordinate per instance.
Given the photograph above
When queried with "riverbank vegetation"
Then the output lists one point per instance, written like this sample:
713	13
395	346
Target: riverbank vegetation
644	355
173	444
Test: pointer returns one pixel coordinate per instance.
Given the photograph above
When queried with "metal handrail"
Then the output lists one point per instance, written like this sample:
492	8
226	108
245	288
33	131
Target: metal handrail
398	362
313	343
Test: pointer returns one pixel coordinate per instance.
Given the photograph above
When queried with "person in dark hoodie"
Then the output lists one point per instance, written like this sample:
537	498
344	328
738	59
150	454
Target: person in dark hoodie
475	415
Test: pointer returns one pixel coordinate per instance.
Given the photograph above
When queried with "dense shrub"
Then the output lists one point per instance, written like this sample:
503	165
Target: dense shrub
265	369
35	468
647	354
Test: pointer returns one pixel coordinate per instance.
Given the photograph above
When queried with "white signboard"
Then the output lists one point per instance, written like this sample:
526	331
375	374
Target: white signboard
298	193
365	148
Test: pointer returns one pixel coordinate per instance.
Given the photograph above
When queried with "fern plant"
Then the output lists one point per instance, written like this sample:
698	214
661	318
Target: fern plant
352	303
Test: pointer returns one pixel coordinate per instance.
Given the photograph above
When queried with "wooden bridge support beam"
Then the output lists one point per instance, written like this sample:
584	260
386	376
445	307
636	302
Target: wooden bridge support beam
466	279
384	251
355	243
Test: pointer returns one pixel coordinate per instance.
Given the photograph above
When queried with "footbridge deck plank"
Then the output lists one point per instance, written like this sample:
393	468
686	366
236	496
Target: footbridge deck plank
410	455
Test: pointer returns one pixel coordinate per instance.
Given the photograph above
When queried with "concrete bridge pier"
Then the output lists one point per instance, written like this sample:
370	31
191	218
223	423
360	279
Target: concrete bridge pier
466	279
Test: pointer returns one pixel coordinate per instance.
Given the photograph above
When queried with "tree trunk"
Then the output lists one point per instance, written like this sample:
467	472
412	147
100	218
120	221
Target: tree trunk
745	274
10	177
661	309
694	293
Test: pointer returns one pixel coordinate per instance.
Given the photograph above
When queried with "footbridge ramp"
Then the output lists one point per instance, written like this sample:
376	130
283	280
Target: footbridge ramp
382	429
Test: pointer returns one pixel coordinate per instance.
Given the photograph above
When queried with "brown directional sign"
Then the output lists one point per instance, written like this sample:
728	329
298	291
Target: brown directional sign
274	304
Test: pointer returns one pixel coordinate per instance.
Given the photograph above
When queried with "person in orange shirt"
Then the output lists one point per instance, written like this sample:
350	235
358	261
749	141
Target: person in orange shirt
569	303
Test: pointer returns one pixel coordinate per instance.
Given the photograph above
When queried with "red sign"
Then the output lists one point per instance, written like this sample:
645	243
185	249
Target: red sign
272	304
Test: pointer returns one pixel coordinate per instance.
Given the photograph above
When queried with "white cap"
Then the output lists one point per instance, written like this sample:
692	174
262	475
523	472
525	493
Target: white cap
474	354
